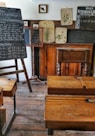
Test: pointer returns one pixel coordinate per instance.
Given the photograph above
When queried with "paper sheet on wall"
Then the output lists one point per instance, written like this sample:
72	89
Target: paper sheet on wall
2	4
48	31
61	35
66	16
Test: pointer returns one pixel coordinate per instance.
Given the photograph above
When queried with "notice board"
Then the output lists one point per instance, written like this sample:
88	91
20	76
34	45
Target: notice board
85	18
80	36
12	41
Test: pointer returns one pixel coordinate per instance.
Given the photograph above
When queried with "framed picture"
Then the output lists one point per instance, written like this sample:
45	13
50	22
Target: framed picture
35	25
25	23
66	16
43	8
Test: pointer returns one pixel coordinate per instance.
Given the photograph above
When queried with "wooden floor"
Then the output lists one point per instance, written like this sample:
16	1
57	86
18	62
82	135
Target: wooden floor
29	119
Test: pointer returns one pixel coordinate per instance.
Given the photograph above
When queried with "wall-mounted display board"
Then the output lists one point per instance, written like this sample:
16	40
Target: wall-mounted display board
80	36
66	16
85	18
61	35
48	31
32	36
12	43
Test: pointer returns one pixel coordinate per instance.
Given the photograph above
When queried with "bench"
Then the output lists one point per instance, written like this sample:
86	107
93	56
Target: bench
9	90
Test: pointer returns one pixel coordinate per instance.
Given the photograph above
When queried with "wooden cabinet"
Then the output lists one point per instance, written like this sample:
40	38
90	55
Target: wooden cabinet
45	60
47	57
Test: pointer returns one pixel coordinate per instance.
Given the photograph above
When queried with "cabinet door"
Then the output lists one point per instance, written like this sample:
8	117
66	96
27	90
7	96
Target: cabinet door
43	62
51	61
47	61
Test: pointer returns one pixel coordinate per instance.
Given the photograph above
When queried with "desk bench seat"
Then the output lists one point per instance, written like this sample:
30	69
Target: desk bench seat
9	86
69	113
9	89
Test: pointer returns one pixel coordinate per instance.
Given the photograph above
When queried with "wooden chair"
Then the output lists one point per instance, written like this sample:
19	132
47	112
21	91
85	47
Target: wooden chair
73	62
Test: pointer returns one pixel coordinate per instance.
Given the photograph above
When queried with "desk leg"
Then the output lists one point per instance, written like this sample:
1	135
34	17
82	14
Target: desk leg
8	124
14	104
0	130
50	131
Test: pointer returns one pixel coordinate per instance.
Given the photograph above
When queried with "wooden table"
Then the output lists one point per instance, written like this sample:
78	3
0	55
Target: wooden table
74	108
71	85
9	90
69	113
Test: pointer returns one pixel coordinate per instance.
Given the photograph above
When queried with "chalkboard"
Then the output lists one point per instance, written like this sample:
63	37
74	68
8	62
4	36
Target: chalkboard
35	37
85	18
80	36
12	41
31	36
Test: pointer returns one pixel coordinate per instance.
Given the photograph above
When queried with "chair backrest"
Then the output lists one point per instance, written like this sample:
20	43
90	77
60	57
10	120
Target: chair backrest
73	61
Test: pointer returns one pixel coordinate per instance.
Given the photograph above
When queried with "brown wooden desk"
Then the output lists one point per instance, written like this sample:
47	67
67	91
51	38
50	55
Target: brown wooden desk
9	90
69	113
74	108
71	85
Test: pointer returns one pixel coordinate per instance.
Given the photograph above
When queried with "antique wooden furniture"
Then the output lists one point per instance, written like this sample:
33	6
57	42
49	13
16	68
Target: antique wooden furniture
48	55
69	113
70	96
45	57
9	90
72	85
78	57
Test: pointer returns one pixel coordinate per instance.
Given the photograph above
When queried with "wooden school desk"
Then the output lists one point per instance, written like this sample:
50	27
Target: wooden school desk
69	113
71	85
70	103
9	90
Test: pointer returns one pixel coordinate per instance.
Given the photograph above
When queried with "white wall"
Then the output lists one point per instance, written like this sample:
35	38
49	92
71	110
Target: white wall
29	9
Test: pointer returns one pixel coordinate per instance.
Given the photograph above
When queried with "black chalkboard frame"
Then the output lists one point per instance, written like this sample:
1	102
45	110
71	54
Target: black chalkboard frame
80	36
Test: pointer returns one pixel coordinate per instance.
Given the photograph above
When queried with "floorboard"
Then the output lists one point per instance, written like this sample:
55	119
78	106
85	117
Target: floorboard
29	120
